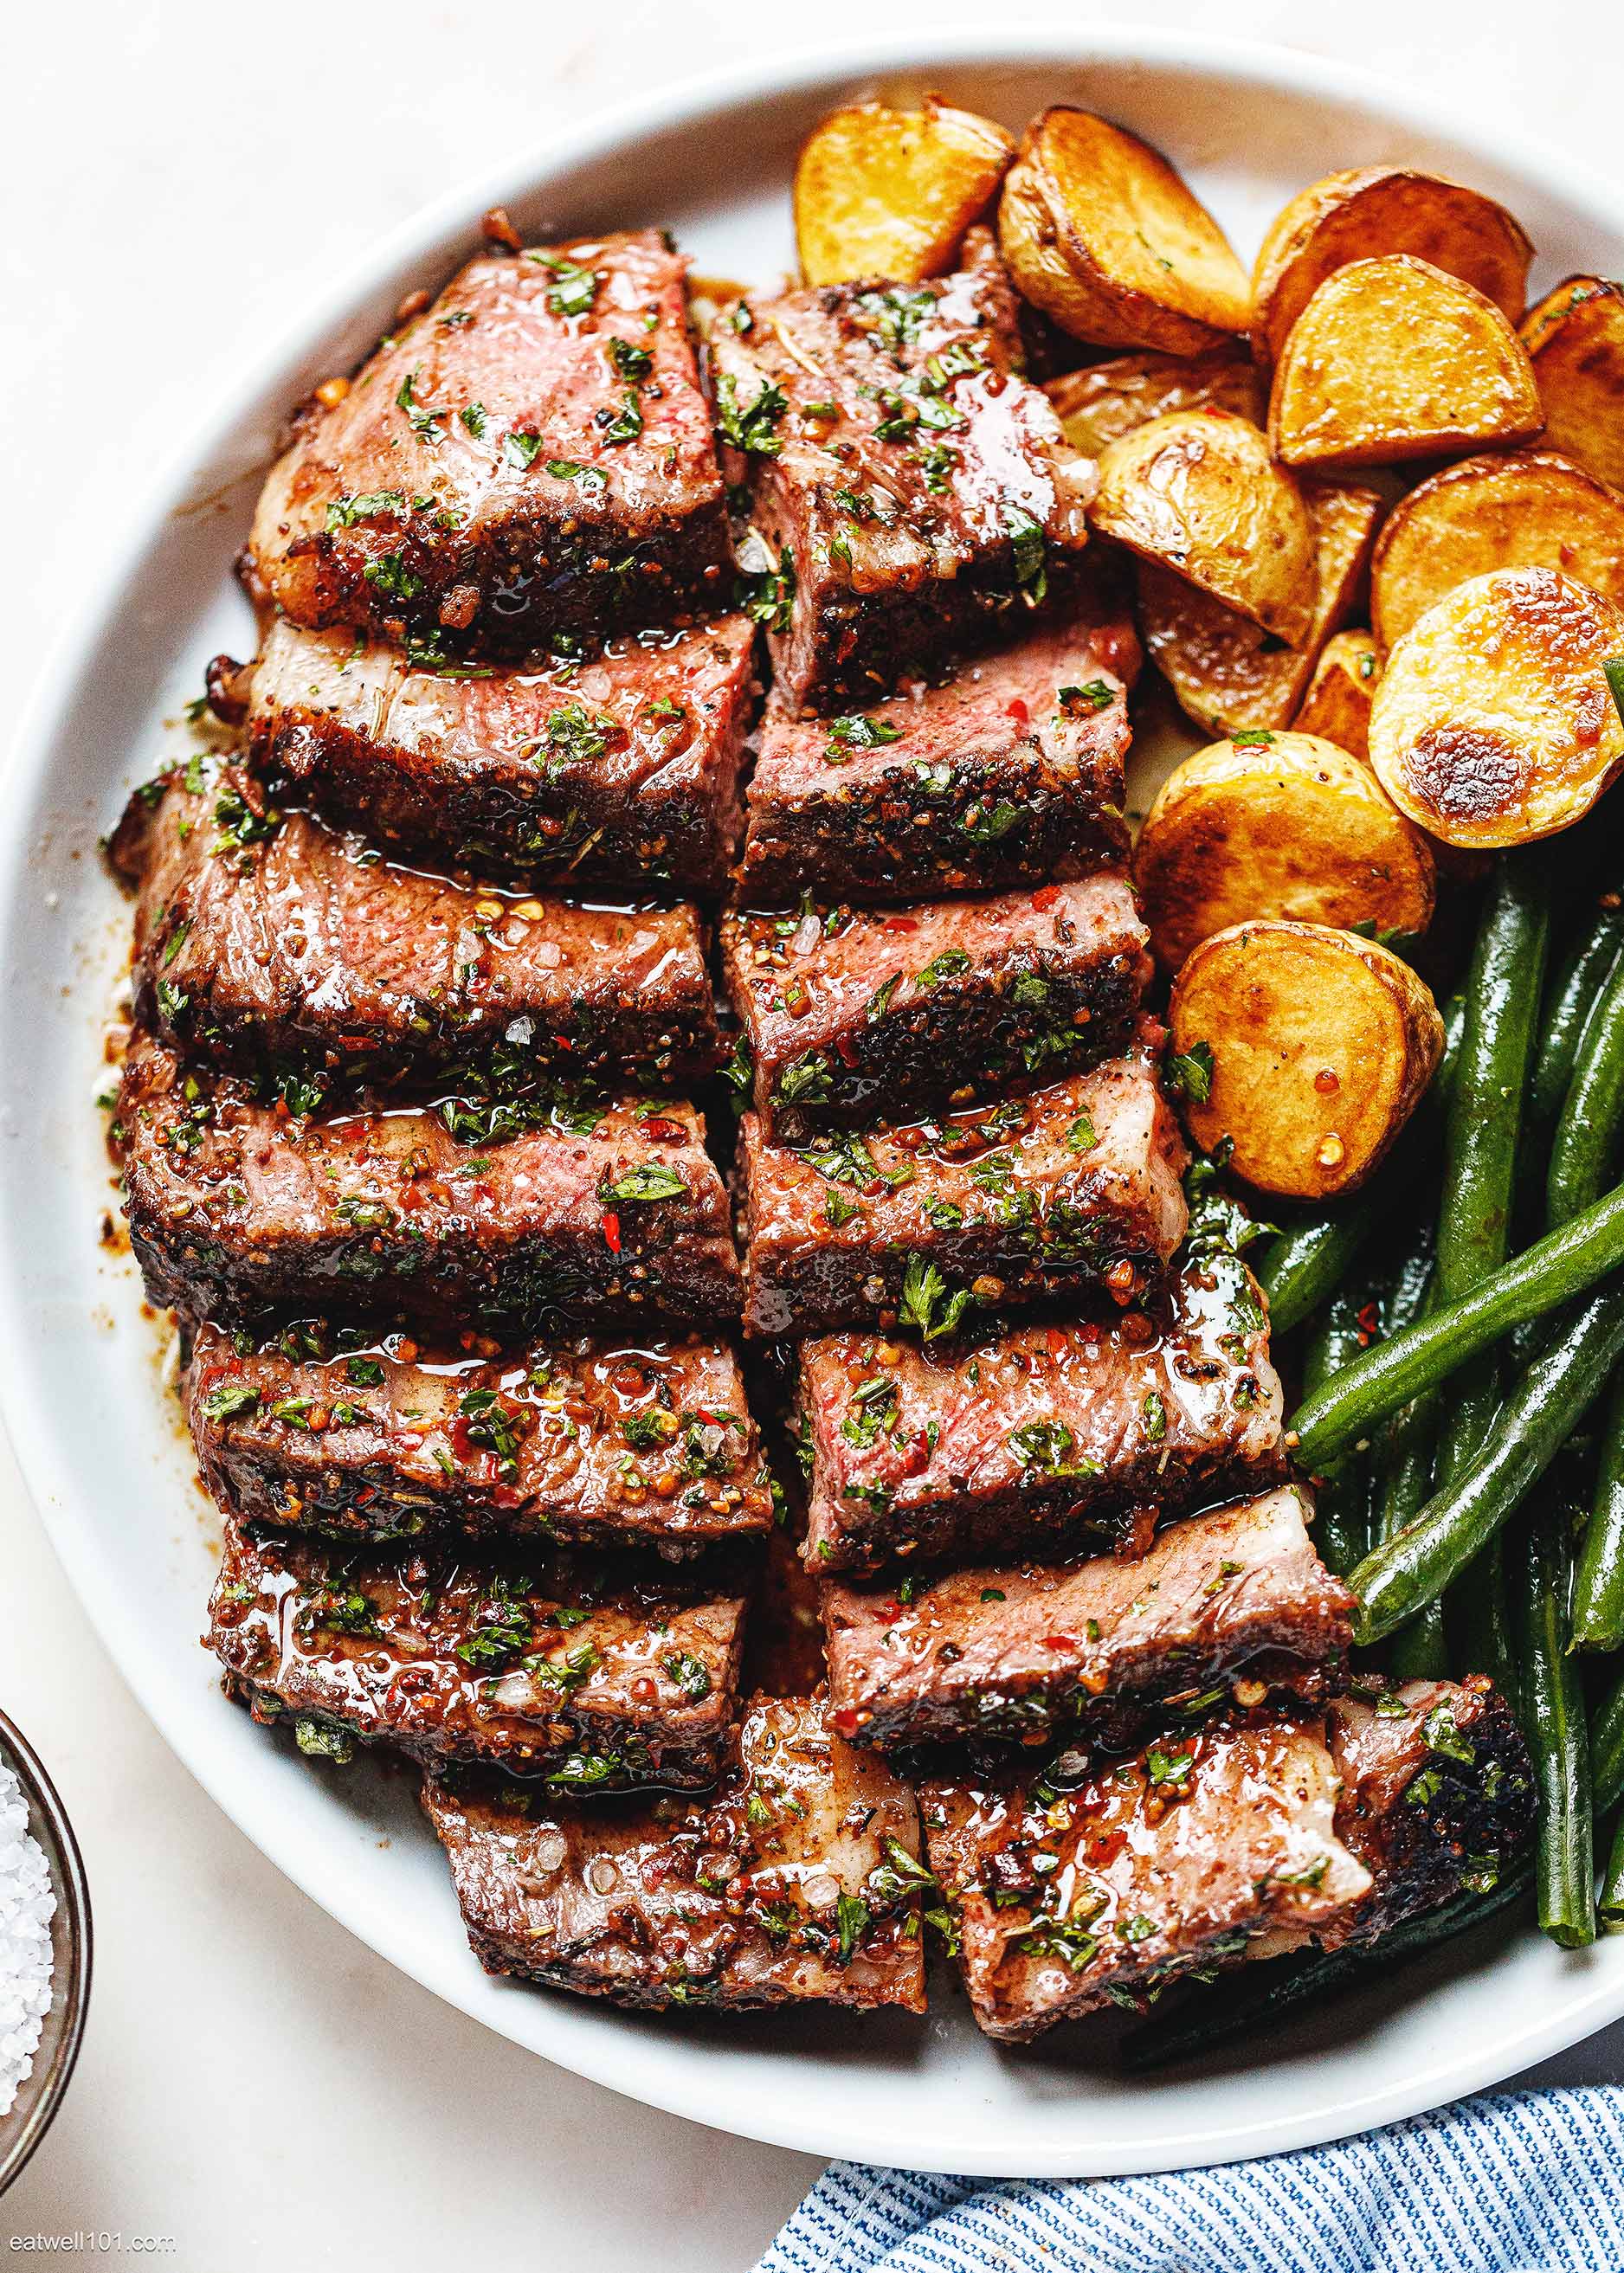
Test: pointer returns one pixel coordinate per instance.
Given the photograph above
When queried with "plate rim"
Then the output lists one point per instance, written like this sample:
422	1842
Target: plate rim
1264	66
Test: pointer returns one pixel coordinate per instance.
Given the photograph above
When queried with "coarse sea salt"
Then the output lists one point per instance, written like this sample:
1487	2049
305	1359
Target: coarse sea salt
27	1904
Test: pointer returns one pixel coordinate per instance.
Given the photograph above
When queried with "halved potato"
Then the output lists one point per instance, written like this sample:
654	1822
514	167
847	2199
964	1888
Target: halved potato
1277	825
1313	1048
885	193
1102	234
1493	723
1197	490
1229	674
1391	360
1341	692
1575	339
1099	405
1517	509
1372	212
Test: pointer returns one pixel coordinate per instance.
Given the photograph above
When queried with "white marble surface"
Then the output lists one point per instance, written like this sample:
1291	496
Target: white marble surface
176	180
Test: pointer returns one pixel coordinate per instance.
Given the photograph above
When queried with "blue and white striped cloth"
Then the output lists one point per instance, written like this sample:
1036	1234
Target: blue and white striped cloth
1523	2183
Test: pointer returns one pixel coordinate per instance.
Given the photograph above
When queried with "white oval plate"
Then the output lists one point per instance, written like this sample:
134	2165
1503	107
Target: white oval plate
99	1444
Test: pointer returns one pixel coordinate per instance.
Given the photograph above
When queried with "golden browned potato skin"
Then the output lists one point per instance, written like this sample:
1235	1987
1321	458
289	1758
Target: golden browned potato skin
1372	211
1227	673
1282	825
1392	360
1503	509
886	192
1494	724
1196	490
1321	1044
1105	401
1575	339
1103	236
1337	704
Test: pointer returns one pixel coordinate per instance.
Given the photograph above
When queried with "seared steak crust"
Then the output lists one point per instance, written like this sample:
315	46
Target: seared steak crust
264	940
1039	1196
597	1444
1023	1443
624	765
910	490
235	1207
850	1016
1014	1654
531	456
1008	772
743	1900
583	1674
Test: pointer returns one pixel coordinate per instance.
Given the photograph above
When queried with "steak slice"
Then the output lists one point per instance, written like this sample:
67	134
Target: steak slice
848	1015
531	456
1040	1196
596	1443
578	1671
1437	1794
235	1207
910	489
625	766
1176	1858
1236	1856
264	940
1017	1446
796	1884
1019	1654
1008	772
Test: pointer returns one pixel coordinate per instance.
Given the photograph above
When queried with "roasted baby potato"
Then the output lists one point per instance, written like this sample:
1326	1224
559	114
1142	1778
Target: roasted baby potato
1101	403
1227	673
1309	1048
886	192
1368	213
1493	723
1517	509
1197	490
1337	704
1391	360
1575	338
1101	234
1277	825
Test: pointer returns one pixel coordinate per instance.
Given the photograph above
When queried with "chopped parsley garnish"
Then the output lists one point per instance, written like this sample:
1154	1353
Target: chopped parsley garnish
520	449
630	361
750	426
230	1397
947	964
1031	550
927	1303
622	426
390	575
857	732
575	732
647	1180
691	1673
587	479
1189	1073
1094	694
573	288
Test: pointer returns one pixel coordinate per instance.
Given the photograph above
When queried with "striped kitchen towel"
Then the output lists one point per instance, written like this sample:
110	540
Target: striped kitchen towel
1520	2183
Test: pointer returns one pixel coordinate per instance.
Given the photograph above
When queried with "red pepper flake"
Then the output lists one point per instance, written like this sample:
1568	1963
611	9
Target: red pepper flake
1369	1322
1018	711
900	923
660	1131
1045	896
844	1722
1060	1641
889	1611
612	1231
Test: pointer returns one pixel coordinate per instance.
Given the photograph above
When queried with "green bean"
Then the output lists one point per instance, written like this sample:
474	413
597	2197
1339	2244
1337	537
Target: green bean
1607	1751
1610	1901
1497	1048
1342	1523
1585	1144
1404	1573
1557	1740
1487	1642
1261	1992
1570	1001
1419	1650
1555	1269
1598	1586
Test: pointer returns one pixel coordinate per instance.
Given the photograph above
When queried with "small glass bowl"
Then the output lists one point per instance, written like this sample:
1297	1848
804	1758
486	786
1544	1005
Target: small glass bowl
38	2099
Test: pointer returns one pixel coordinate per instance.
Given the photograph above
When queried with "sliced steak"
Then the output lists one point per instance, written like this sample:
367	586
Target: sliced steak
851	1015
910	489
595	1444
1008	772
595	1213
1176	1857
1018	1653
623	767
1018	1445
577	1672
1231	1842
796	1884
1040	1196
267	941
1437	1793
529	457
